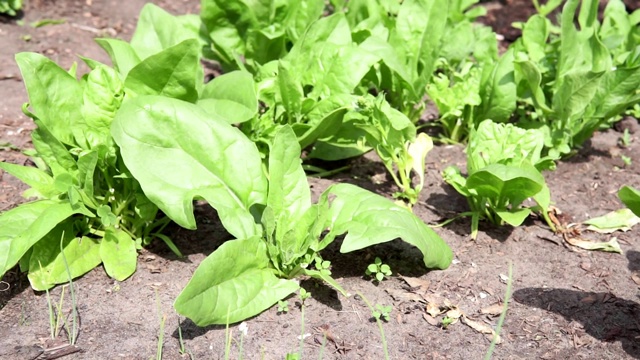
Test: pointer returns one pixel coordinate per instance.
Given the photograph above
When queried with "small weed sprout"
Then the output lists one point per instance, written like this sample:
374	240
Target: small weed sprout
446	321
324	266
378	270
283	306
625	139
382	312
304	295
626	160
377	313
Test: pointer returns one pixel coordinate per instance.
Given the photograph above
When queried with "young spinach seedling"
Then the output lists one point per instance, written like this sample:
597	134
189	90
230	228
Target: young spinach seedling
283	306
378	270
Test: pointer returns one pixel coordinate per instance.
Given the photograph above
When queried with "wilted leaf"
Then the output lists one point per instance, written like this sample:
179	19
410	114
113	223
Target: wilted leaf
421	285
494	310
401	295
454	314
622	220
430	319
481	328
609	246
433	309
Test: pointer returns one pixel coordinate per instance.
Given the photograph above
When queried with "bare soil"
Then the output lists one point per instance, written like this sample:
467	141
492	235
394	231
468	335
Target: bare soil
567	303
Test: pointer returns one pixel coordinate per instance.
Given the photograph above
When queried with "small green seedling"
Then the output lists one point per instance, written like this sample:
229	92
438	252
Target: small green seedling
323	266
283	306
446	321
626	160
625	139
382	312
378	269
304	295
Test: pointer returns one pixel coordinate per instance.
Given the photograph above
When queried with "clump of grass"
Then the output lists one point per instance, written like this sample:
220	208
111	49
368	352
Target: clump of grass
377	314
503	315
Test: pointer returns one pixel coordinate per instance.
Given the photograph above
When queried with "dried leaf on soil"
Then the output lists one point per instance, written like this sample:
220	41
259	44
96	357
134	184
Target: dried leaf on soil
417	284
481	328
609	246
431	320
401	295
433	310
636	278
494	310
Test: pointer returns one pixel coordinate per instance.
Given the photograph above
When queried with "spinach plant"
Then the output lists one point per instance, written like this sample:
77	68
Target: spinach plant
179	152
503	166
392	135
247	33
576	82
83	188
313	87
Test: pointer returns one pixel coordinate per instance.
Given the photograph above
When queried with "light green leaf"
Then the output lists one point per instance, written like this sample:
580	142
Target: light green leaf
631	198
290	89
320	275
617	92
505	183
497	90
47	266
514	217
171	72
87	163
52	151
494	142
37	179
289	194
23	226
347	142
232	284
122	55
118	254
418	35
179	152
575	92
326	126
55	96
158	30
370	219
618	220
102	96
231	97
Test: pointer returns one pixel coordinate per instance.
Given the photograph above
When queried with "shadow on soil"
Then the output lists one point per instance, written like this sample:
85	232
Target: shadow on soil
603	316
634	260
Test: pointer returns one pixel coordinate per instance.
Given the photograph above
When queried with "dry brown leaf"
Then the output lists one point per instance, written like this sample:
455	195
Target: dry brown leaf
454	314
636	278
431	320
609	246
481	328
493	310
430	298
589	299
433	309
401	295
421	285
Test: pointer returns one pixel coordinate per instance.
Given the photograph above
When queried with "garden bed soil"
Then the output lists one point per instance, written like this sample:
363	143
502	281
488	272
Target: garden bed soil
566	302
